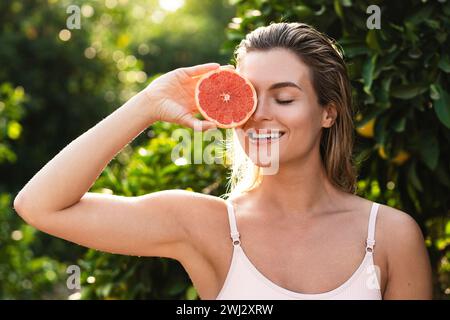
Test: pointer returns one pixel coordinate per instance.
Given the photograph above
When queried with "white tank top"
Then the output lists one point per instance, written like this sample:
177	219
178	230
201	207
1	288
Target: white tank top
244	281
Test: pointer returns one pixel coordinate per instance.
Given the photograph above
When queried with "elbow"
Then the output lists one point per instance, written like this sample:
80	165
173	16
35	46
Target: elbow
18	203
21	209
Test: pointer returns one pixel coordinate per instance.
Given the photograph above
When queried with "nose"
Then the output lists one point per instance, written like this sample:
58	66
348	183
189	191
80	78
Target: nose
262	112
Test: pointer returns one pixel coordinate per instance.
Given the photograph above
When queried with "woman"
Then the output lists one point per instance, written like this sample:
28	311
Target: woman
299	234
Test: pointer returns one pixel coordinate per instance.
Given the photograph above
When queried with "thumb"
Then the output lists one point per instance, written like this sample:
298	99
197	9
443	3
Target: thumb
200	69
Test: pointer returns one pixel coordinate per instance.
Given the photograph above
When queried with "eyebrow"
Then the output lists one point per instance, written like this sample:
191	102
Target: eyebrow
279	85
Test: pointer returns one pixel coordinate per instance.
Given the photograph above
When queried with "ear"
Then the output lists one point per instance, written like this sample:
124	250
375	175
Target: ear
329	115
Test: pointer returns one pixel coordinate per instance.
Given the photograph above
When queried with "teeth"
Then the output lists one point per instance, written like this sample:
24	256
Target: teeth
253	135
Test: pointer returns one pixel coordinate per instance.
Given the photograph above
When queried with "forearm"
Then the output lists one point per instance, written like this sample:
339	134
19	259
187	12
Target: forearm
70	174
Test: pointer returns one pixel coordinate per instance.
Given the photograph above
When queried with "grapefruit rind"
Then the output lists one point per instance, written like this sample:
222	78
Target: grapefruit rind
218	123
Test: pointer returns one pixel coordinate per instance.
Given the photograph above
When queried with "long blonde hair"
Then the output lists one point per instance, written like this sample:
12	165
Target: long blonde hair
331	83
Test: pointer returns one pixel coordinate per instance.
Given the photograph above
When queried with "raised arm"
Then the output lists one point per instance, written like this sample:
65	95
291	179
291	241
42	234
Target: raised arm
56	200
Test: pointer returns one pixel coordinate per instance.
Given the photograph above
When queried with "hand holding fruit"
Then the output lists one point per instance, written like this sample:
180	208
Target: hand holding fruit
173	96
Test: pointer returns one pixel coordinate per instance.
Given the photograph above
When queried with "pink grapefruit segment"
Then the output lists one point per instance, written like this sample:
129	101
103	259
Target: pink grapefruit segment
224	97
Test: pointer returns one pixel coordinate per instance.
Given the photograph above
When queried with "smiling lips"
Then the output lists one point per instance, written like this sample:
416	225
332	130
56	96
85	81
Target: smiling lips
265	134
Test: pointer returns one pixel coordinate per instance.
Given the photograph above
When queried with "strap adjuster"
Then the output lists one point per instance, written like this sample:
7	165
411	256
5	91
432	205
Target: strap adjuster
235	236
370	243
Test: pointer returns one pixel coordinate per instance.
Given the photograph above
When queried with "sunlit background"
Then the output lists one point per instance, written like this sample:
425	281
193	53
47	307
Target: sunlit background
56	82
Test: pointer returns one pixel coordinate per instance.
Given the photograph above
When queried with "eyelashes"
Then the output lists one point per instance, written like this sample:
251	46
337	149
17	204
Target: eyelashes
284	101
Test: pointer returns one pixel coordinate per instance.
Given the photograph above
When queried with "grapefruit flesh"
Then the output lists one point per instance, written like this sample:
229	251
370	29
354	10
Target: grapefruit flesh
224	97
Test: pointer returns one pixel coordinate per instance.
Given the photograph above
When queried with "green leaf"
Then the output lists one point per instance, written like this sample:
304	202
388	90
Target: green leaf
429	149
408	91
176	287
303	11
372	40
191	293
444	63
442	106
381	131
399	125
420	15
346	3
368	69
383	96
355	50
433	24
434	92
338	9
412	176
442	173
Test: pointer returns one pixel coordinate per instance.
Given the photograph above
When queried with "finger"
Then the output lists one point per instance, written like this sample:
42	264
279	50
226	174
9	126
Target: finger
228	66
203	125
200	69
191	121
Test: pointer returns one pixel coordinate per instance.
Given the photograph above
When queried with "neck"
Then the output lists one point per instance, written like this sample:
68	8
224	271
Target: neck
300	187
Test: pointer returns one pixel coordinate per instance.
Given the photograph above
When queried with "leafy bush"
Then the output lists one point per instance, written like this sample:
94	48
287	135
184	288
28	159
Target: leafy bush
70	86
24	272
11	112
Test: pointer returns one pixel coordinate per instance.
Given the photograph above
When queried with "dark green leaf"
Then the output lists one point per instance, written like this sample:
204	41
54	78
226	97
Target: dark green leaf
442	106
444	63
381	132
399	125
372	40
434	92
368	68
302	11
408	91
412	176
429	149
352	51
420	15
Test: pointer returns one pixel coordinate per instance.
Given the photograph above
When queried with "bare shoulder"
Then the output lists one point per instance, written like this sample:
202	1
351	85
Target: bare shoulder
399	235
399	228
408	265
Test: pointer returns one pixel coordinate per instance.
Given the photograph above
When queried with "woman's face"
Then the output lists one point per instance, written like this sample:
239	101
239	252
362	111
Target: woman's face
286	102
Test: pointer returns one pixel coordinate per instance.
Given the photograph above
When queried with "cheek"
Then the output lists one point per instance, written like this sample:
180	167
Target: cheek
303	122
303	117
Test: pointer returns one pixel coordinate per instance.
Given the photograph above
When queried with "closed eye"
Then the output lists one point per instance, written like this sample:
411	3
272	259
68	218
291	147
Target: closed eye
284	101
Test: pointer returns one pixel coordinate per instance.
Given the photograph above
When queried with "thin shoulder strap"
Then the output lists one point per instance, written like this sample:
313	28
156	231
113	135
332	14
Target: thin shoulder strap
370	242
233	227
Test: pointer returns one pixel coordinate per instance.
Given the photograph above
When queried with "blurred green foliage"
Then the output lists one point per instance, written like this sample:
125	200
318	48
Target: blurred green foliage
11	112
57	83
24	271
52	90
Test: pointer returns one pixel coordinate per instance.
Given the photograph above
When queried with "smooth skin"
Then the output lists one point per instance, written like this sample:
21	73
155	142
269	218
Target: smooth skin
328	227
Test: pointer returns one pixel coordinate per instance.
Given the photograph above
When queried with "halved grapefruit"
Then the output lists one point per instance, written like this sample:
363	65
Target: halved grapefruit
226	98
